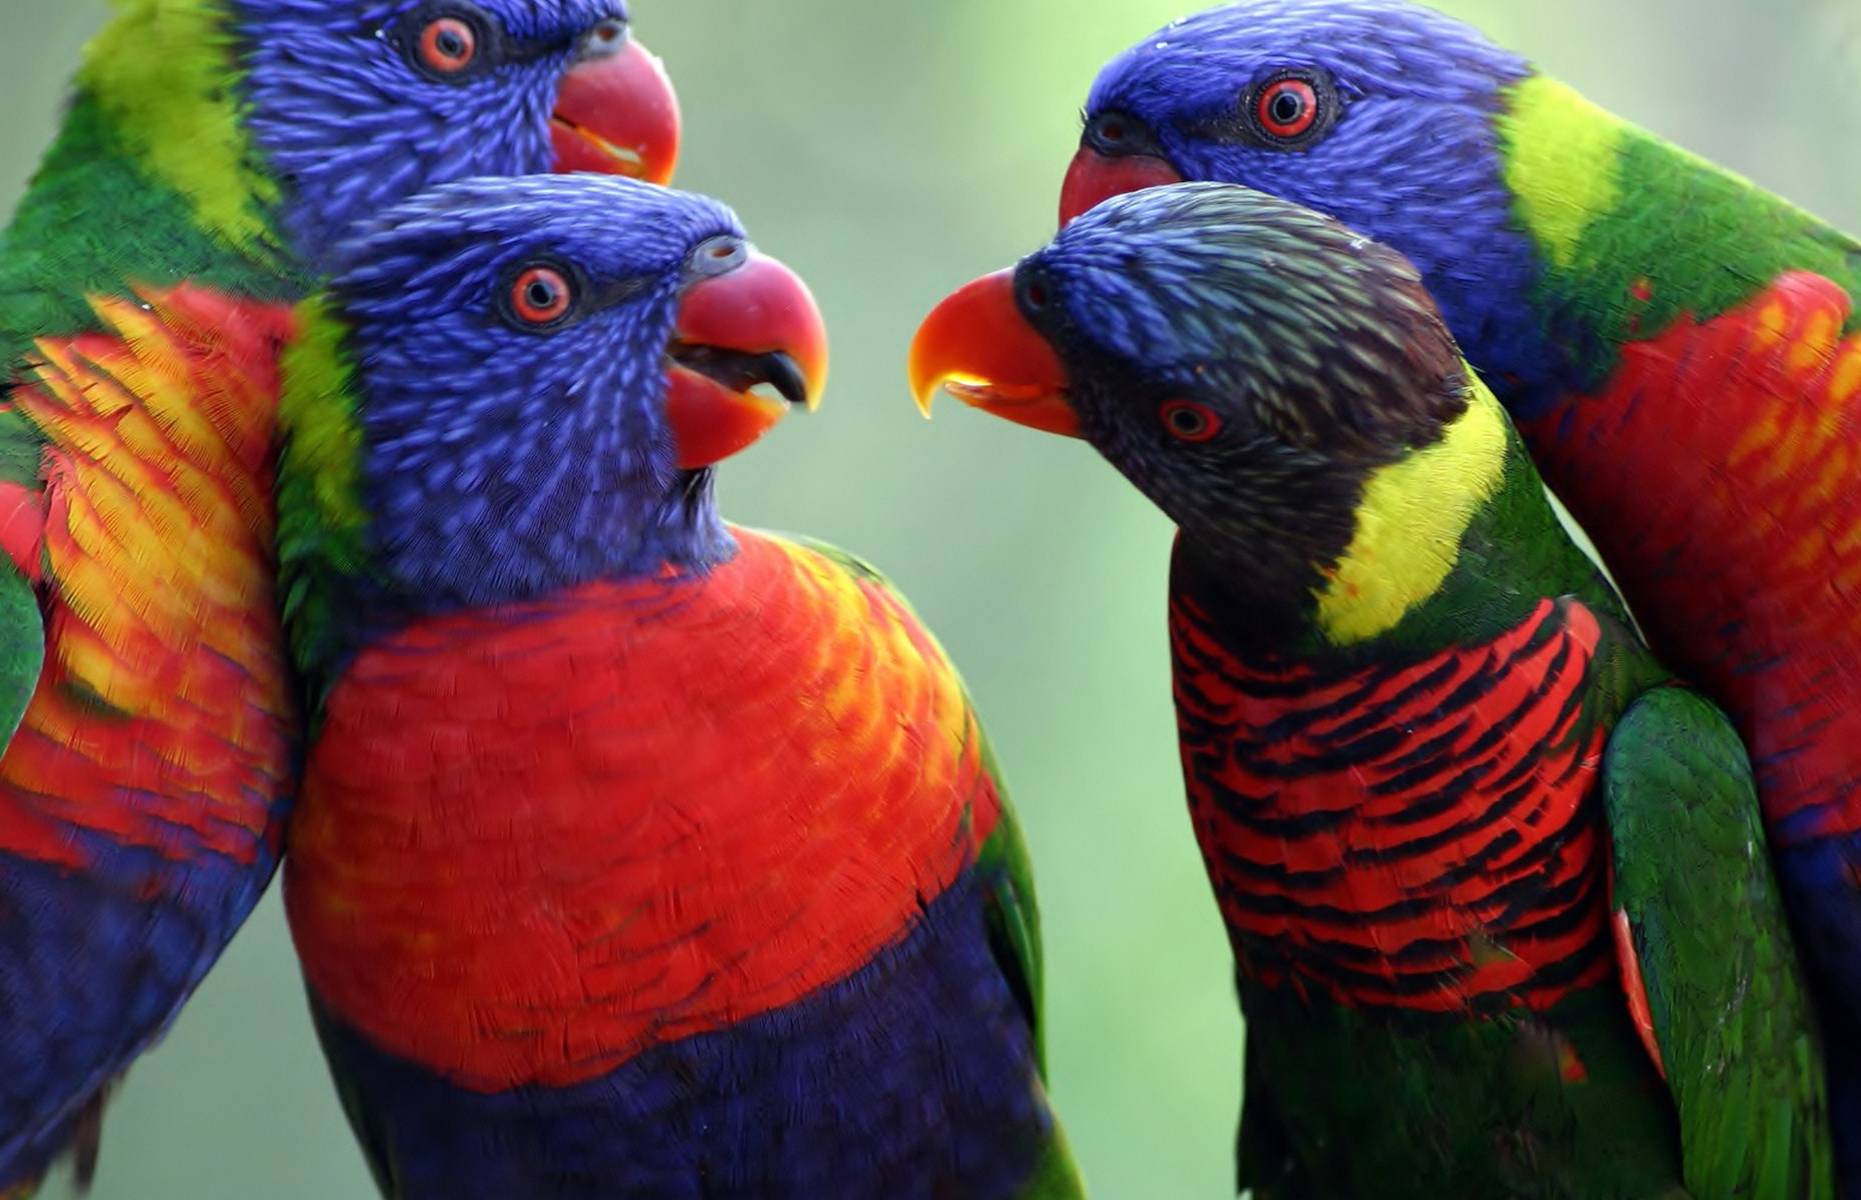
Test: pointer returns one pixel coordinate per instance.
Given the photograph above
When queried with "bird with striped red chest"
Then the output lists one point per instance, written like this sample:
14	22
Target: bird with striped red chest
1680	348
1495	884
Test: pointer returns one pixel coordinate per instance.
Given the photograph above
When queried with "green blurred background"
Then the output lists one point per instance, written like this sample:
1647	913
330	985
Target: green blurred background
890	151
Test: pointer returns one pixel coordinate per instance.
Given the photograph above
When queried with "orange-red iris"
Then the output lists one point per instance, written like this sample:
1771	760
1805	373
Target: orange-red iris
1287	108
448	45
541	295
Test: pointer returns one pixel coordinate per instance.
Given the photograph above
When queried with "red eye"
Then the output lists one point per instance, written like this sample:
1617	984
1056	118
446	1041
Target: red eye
448	45
541	296
1188	421
1287	108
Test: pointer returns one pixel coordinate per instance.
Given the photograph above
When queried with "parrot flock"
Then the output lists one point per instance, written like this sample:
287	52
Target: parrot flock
363	388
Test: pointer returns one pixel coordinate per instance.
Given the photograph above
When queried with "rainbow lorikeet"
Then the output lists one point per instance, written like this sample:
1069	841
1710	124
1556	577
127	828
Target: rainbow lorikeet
146	285
639	854
1469	838
1679	347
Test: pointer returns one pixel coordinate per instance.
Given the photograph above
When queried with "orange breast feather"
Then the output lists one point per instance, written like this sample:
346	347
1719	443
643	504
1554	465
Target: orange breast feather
536	842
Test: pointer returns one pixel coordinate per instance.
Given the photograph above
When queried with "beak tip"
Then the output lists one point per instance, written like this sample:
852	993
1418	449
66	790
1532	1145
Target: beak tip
978	346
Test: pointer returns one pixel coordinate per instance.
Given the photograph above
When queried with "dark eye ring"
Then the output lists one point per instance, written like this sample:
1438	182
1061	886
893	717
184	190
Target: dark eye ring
1189	421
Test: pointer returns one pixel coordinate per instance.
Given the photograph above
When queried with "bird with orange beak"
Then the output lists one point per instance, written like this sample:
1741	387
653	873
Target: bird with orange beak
640	854
1494	883
212	154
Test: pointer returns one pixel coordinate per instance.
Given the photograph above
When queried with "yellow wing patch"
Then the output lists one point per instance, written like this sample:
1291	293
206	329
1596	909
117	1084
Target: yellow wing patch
1410	524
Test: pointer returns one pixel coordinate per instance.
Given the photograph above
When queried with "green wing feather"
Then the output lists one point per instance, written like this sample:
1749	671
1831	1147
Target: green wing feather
1014	913
1730	1010
22	648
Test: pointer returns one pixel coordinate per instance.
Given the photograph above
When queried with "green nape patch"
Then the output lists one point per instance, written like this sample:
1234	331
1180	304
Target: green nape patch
1513	553
22	449
52	256
322	521
166	74
317	413
1637	232
22	647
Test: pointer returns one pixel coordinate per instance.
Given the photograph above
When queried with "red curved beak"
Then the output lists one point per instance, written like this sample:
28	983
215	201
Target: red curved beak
756	326
618	115
977	346
1095	178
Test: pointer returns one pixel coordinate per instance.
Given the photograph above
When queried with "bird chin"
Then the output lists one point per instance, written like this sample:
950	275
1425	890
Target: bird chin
711	420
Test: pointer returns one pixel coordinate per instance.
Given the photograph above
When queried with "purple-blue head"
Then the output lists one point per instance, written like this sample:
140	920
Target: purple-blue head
542	372
1380	113
356	104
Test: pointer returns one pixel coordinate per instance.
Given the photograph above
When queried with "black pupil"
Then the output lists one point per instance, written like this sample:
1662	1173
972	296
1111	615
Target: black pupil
1036	295
542	294
1186	420
1112	131
451	44
1288	107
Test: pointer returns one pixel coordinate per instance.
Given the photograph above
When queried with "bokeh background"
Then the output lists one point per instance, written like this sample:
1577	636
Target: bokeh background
890	151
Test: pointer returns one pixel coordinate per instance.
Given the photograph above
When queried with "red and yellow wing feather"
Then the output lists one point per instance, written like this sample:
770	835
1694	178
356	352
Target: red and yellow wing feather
162	718
1737	442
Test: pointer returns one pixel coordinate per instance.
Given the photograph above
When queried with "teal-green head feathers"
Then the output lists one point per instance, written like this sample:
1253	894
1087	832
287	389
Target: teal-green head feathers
1278	384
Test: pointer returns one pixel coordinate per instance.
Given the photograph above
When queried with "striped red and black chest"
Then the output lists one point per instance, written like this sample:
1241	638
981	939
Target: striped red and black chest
1421	836
536	843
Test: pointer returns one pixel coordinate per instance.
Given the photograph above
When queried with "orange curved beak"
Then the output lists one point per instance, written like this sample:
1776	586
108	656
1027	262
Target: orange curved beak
618	115
757	326
977	346
1095	178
